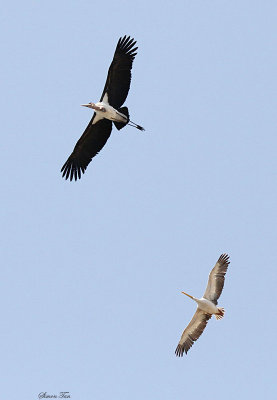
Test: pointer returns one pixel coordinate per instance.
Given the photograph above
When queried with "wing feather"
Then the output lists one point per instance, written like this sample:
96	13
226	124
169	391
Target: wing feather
90	143
216	279
119	76
192	332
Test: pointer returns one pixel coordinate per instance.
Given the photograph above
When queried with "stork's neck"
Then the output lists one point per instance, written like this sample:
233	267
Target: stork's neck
98	107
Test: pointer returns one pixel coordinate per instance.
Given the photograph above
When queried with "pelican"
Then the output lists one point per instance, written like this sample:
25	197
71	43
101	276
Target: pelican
106	112
206	306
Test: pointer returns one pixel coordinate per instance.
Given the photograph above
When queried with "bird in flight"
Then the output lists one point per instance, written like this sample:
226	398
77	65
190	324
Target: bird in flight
107	111
206	306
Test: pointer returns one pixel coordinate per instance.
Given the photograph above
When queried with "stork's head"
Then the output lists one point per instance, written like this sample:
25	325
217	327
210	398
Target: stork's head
89	105
95	107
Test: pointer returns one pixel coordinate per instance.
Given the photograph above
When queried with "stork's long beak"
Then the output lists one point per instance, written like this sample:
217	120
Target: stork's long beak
188	295
86	105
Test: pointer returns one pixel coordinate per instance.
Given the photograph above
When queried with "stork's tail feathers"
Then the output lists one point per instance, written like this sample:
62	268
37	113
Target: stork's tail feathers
220	313
120	125
124	111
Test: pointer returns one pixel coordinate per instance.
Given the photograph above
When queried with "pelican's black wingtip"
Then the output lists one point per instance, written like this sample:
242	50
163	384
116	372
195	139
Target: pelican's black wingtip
180	351
225	258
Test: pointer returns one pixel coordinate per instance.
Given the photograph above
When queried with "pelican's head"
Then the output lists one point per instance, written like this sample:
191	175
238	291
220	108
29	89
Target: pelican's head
188	295
89	105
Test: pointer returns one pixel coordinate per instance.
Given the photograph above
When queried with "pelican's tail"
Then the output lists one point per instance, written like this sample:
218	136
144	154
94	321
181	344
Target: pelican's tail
220	313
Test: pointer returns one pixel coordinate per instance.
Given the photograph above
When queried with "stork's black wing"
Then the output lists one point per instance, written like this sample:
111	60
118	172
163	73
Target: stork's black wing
90	143
119	76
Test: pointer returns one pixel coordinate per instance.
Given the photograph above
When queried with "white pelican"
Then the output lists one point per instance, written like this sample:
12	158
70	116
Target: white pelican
206	306
106	112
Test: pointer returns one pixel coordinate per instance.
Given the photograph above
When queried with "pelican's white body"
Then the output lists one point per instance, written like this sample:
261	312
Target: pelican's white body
206	305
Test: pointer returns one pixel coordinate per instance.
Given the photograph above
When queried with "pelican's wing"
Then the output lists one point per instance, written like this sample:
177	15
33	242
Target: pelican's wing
216	279
119	76
192	332
90	143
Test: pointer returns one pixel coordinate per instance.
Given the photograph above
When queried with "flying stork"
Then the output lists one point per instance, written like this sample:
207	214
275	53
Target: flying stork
206	306
106	112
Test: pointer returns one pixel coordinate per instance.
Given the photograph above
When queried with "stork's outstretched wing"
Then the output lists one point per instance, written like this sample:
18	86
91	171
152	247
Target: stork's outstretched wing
192	332
90	143
119	76
216	279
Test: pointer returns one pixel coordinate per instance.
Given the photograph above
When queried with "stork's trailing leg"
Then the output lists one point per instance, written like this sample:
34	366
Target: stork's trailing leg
124	113
131	123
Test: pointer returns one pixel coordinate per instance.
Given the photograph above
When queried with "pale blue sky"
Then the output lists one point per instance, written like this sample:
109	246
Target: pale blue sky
92	271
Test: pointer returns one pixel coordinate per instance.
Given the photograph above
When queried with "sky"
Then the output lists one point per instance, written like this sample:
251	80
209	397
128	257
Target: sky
92	271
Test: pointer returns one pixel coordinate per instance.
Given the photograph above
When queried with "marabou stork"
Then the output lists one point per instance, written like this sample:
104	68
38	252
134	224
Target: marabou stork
106	112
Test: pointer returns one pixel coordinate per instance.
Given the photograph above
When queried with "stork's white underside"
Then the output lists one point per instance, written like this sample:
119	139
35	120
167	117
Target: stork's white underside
109	112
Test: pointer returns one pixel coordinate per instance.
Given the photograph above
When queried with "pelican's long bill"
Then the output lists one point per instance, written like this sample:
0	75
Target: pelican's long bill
188	295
